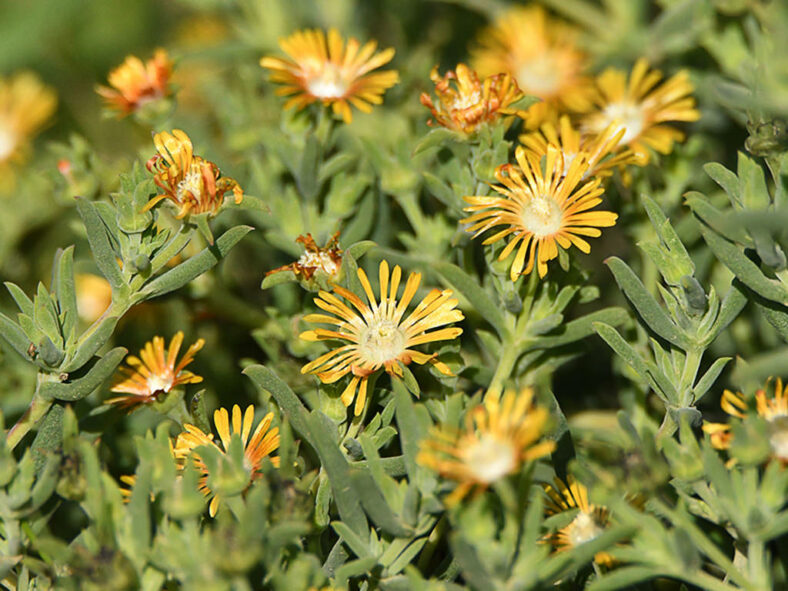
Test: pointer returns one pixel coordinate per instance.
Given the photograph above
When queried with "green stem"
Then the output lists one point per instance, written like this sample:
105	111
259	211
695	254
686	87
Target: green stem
409	204
510	353
35	412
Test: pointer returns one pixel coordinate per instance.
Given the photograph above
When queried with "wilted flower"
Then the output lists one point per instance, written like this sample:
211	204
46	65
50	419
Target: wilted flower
327	260
376	333
134	83
262	443
543	210
192	183
470	103
640	106
94	296
499	436
324	69
156	371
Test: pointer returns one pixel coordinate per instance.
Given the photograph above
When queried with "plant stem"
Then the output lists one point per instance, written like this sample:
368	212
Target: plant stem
510	353
34	413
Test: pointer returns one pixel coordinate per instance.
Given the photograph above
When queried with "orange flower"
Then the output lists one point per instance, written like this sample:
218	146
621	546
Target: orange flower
325	69
327	259
134	83
94	296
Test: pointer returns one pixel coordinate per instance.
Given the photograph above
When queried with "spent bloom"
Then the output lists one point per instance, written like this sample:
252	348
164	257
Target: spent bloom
323	68
194	185
641	106
156	371
499	436
540	210
263	442
135	83
376	334
316	259
469	103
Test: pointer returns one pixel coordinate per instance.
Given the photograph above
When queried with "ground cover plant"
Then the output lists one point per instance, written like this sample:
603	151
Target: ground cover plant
398	295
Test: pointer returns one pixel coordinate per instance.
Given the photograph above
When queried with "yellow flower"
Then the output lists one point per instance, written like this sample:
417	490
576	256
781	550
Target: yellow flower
262	443
134	83
376	334
640	106
327	259
543	210
499	436
540	53
589	523
773	408
324	69
25	107
94	296
602	148
190	182
471	103
156	371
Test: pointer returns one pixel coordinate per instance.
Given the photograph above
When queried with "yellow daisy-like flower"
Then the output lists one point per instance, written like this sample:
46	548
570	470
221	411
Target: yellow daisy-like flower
25	107
156	371
327	259
376	334
499	436
641	106
541	54
262	443
323	68
543	210
135	83
773	408
470	103
589	523
94	296
192	183
602	149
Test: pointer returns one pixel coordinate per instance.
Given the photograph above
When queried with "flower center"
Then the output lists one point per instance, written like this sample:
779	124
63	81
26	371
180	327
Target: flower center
7	143
778	436
490	459
465	100
160	383
381	341
319	260
583	528
327	83
540	76
541	216
627	116
190	185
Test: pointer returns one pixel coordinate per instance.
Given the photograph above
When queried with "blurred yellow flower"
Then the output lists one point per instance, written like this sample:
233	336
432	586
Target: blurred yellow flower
377	334
135	83
193	184
499	436
322	68
542	208
262	443
640	106
541	54
470	103
94	296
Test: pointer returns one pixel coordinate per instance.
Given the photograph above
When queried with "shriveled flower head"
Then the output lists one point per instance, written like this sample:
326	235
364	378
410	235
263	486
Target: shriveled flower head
540	210
326	259
25	107
193	184
641	106
499	436
772	407
135	83
263	442
541	54
324	68
94	296
589	522
470	103
604	153
376	334
156	371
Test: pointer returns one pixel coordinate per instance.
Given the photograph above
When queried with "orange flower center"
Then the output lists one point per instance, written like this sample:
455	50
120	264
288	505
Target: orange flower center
381	341
541	216
583	528
540	76
627	116
319	260
778	436
490	458
191	184
160	383
465	100
327	83
7	143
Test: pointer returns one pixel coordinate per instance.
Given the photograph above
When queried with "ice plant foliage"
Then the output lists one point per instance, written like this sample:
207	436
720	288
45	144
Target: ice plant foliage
193	184
540	209
135	83
375	332
155	372
323	68
326	259
262	443
500	435
469	103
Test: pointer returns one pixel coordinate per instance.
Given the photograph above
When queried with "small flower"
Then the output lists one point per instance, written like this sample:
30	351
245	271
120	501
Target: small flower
471	103
376	334
327	259
134	83
324	69
154	372
262	443
190	182
641	106
589	523
544	210
500	435
541	54
94	296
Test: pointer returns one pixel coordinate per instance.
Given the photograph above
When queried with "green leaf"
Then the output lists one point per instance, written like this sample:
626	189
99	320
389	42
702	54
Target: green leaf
20	297
376	506
14	336
480	299
100	241
90	342
435	138
473	570
359	249
725	178
625	577
580	328
81	387
65	289
752	183
352	539
308	167
708	379
732	305
49	437
441	191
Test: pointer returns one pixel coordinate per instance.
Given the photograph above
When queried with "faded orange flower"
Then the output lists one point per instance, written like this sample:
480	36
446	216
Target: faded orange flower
326	259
